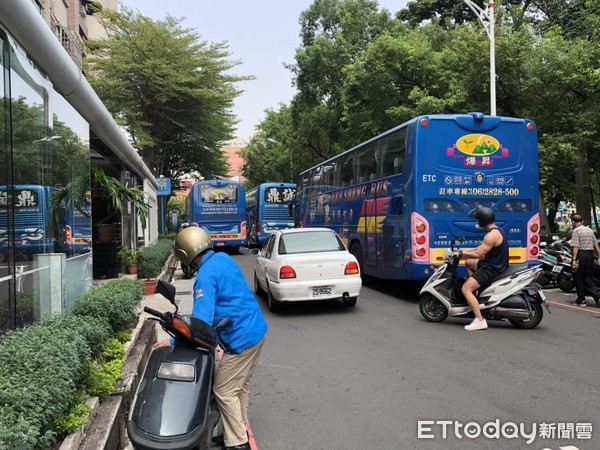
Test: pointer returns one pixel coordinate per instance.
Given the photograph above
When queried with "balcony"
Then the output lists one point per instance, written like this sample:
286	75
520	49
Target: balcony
70	40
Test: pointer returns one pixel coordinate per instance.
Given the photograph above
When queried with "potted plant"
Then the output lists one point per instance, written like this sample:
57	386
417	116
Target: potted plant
130	256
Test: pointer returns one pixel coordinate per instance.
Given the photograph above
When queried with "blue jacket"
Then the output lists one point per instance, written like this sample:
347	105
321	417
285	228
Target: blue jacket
220	292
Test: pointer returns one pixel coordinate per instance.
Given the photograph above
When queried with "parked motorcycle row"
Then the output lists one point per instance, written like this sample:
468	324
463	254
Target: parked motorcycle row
555	260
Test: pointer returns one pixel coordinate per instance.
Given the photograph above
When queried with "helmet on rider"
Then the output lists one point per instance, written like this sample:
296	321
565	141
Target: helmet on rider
484	216
189	243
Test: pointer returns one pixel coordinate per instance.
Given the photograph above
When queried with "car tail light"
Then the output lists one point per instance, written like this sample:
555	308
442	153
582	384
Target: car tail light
351	269
287	272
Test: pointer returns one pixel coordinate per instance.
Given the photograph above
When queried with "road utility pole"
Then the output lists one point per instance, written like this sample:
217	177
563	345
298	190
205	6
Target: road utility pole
487	20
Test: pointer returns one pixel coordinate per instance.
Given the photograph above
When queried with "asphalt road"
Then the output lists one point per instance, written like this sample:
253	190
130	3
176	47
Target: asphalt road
378	376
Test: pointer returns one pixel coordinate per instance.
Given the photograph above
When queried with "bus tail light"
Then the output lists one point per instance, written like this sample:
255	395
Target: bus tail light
351	269
258	227
420	237
533	238
287	272
244	227
69	234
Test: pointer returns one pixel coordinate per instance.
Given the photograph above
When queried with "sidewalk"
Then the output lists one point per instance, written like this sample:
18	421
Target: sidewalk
156	301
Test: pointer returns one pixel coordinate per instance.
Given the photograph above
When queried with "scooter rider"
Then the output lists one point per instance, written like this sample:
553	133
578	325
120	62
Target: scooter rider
484	263
220	291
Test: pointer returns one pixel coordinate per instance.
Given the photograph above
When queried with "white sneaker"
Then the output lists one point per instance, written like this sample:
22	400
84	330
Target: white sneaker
476	325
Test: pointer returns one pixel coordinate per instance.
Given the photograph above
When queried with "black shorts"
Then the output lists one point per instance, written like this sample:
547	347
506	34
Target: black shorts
485	273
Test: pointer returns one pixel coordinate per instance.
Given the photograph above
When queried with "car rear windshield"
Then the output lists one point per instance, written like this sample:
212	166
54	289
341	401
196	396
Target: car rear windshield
310	242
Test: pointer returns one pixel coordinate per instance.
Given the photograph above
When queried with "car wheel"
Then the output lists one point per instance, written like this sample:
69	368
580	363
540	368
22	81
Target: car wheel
272	303
432	309
536	317
565	281
258	290
350	301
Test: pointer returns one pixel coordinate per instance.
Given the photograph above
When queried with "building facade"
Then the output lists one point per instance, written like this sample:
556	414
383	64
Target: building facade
53	128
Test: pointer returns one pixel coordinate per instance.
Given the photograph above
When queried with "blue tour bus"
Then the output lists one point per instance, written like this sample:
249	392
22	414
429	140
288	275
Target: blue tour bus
399	199
34	229
219	207
267	209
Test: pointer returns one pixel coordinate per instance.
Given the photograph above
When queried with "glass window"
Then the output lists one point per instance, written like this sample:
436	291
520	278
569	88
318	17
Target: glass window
219	194
280	195
346	170
269	246
393	153
366	163
310	242
441	205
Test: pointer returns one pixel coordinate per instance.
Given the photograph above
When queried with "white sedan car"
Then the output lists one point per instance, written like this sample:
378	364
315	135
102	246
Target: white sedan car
302	264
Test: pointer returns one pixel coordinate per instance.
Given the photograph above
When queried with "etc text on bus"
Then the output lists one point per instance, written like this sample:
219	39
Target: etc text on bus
219	207
267	209
399	199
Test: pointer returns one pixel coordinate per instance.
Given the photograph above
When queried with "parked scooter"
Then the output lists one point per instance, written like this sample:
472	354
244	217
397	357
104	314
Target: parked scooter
174	407
553	262
512	295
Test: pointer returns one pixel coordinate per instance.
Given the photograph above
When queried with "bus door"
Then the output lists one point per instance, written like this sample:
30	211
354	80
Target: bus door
374	213
394	235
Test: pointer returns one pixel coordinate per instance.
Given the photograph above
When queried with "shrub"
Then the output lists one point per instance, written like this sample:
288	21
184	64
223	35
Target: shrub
130	255
114	304
45	368
153	258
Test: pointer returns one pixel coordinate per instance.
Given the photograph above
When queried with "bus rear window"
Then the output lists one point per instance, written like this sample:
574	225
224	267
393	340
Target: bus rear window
473	203
441	205
220	194
280	195
515	205
23	198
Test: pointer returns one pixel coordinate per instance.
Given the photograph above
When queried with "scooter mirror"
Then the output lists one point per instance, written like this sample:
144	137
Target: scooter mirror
225	323
167	290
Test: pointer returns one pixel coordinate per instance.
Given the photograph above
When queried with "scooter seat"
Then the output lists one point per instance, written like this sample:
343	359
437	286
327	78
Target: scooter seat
511	271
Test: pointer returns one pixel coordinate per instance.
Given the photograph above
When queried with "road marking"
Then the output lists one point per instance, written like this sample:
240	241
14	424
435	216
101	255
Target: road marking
594	310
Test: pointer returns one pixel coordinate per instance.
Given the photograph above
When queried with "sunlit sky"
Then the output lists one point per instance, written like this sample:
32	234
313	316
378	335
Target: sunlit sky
261	34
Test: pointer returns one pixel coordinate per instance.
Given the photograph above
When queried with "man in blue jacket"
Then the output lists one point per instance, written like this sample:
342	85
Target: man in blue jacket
220	292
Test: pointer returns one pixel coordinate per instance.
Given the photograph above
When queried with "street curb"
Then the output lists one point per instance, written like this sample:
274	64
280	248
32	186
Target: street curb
107	426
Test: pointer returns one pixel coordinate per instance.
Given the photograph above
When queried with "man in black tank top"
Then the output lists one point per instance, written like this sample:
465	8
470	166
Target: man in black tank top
484	263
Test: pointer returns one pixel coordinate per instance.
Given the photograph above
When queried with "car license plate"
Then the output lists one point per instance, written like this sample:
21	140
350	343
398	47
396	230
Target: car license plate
321	290
557	269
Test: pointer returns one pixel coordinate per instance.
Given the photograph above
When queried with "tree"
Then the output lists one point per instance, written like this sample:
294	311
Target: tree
334	34
169	89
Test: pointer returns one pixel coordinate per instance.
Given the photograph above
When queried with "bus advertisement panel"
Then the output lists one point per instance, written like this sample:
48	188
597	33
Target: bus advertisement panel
219	207
267	209
401	198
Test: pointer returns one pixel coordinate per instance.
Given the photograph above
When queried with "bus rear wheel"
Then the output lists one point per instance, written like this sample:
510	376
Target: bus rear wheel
356	252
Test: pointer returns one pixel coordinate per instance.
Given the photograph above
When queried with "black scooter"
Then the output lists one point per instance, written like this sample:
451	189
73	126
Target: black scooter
173	406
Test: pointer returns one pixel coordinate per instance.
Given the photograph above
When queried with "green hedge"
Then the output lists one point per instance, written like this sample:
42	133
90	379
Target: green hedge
44	368
153	258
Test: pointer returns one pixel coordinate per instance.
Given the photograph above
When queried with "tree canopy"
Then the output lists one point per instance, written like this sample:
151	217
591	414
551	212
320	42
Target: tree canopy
360	71
172	91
